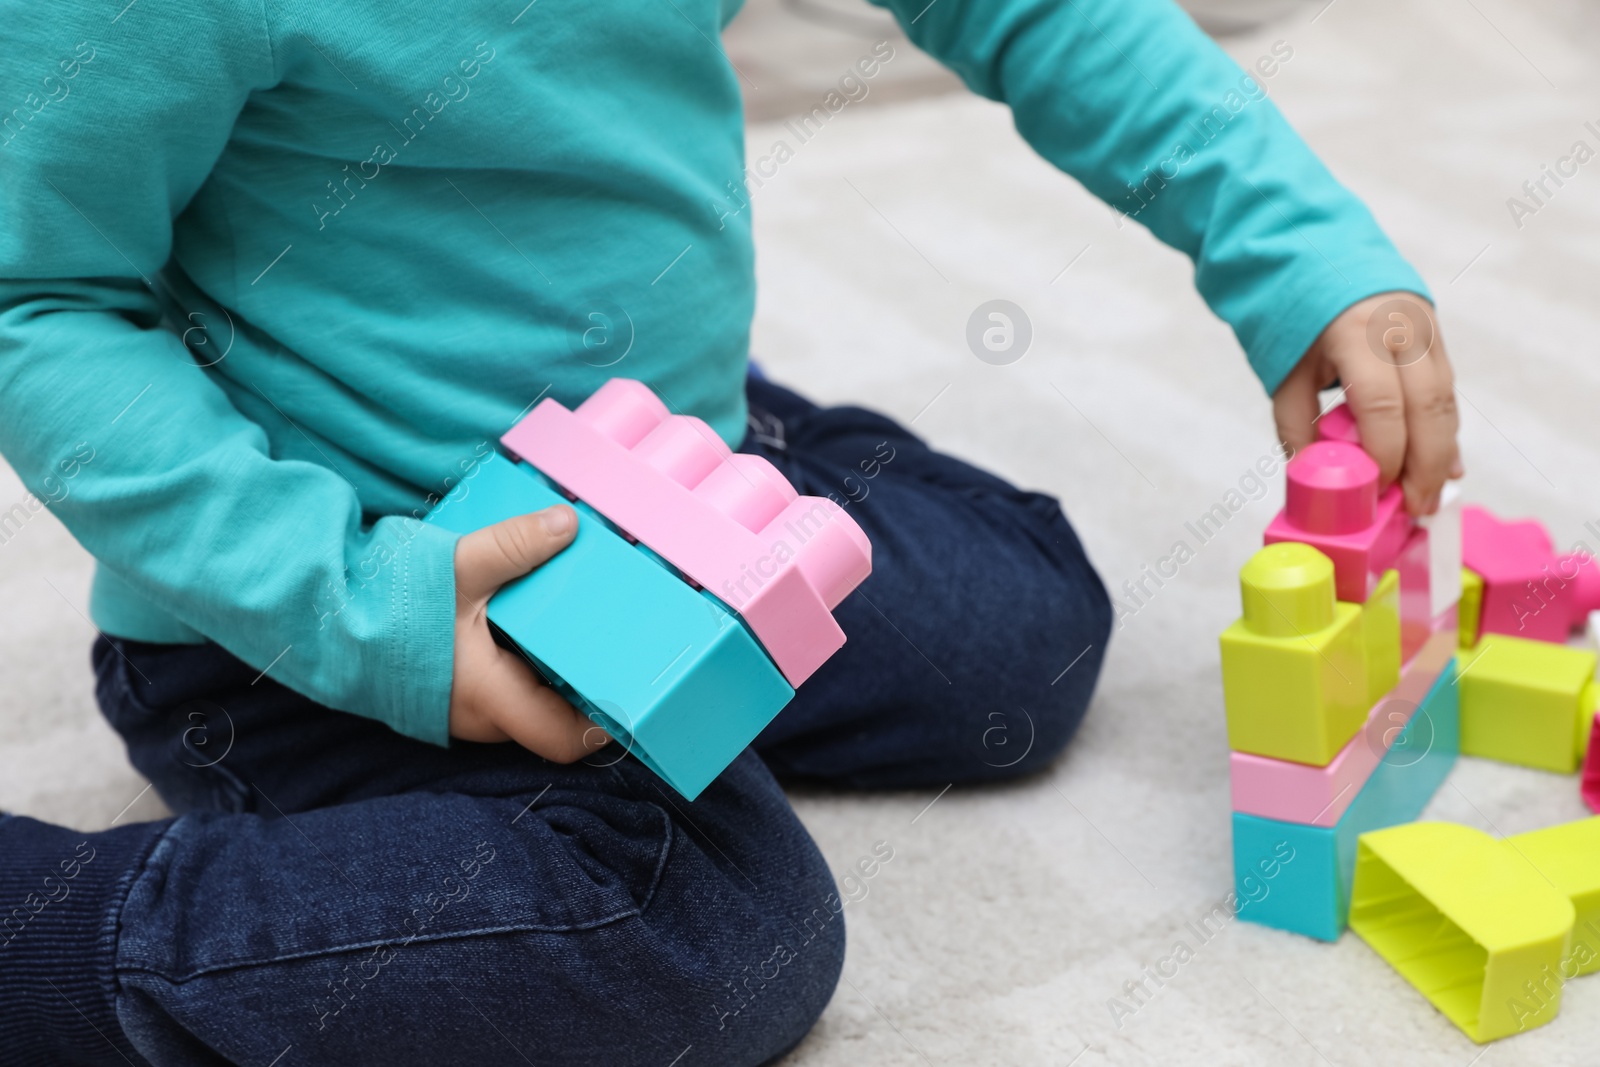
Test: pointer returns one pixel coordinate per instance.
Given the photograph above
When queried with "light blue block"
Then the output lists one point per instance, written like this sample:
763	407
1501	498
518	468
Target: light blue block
1310	894
666	669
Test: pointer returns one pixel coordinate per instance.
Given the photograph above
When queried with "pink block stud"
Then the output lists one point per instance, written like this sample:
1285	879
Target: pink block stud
748	489
1334	505
1527	590
624	410
731	523
1338	424
683	448
1318	796
829	547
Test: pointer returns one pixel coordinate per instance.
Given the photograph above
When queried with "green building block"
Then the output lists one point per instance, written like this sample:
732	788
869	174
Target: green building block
1480	933
1470	607
1527	702
1294	666
1569	857
1380	636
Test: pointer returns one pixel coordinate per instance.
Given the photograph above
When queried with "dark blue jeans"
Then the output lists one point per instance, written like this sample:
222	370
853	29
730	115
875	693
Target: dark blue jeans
334	893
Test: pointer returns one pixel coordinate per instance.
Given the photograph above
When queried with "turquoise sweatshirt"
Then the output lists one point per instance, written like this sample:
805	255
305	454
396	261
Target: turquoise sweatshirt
275	274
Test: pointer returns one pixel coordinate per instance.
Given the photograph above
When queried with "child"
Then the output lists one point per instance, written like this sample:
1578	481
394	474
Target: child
275	275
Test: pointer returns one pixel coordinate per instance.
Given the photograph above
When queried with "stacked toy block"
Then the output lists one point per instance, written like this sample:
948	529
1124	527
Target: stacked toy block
1459	623
1337	680
698	591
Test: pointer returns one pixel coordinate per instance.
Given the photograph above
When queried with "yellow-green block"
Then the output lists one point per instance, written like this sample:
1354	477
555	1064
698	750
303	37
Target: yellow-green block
1294	666
1477	930
1380	636
1569	856
1526	702
1470	607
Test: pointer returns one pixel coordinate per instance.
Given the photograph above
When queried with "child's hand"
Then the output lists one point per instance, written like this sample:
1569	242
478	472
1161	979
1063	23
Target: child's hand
1387	352
493	694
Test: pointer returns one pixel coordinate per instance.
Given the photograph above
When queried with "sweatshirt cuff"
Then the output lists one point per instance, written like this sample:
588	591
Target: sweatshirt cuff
1310	303
413	690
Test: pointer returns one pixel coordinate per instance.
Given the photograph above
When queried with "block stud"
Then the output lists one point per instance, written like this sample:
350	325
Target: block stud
1287	589
1333	488
827	545
1339	424
624	410
748	489
683	448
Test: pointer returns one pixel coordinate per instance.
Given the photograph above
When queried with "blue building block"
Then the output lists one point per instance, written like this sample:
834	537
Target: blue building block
1310	894
665	668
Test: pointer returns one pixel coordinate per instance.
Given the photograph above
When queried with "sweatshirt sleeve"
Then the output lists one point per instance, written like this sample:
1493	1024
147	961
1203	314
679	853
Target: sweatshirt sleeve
106	416
1134	101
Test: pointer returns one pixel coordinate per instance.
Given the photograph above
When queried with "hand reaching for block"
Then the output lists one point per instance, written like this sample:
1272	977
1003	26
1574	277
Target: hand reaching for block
1387	353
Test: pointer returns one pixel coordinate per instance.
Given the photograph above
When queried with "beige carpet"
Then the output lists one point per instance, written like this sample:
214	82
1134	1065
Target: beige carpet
1009	917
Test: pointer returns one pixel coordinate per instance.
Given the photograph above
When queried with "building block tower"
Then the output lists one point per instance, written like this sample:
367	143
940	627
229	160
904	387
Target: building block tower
698	592
1337	680
1324	805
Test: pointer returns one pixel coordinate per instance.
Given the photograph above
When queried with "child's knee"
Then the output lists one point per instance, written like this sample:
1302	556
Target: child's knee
1039	695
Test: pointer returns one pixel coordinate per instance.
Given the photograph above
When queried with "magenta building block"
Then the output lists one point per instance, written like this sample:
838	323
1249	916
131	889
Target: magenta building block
1318	796
1338	424
1591	768
732	524
1528	591
1333	504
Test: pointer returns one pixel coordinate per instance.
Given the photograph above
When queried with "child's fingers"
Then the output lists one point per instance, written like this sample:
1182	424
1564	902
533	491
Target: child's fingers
1432	454
534	715
1373	390
488	558
1294	405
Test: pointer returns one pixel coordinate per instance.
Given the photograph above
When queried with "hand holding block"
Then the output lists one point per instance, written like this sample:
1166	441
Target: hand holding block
1440	582
732	523
1293	667
1528	591
664	668
1333	504
1467	923
1527	702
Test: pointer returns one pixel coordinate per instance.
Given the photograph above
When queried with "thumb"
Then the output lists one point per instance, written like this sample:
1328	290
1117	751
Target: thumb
1295	405
488	558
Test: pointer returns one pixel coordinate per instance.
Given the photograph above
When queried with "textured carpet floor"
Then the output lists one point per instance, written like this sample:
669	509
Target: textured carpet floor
1009	917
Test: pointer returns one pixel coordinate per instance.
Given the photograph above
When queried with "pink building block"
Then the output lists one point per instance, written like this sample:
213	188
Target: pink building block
1338	424
1333	504
1318	796
731	523
1591	768
1528	591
